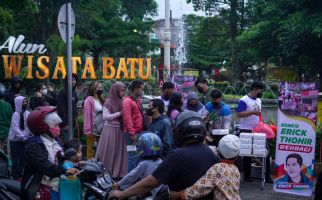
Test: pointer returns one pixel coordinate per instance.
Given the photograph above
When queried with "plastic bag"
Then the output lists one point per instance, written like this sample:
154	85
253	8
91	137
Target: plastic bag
261	127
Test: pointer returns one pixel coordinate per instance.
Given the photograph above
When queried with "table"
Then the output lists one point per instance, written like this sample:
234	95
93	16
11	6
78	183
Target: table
263	162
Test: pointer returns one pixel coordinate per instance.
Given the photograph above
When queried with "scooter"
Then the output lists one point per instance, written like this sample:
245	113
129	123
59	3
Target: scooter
9	189
96	181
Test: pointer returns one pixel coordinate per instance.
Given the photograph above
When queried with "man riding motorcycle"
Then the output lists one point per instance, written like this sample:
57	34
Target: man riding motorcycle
185	165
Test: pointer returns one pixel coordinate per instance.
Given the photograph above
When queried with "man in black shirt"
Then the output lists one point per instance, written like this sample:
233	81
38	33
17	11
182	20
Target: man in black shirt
185	165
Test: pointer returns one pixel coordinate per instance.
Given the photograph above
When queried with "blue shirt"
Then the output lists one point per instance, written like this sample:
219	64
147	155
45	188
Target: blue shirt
224	109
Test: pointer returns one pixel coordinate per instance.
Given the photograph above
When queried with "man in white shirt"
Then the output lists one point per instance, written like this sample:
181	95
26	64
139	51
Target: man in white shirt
248	110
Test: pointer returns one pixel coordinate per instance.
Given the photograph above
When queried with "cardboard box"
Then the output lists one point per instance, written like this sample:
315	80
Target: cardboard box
245	135
245	151
259	136
246	141
246	146
259	147
259	142
220	131
259	152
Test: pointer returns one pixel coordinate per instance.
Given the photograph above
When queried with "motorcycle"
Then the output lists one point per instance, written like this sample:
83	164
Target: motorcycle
96	181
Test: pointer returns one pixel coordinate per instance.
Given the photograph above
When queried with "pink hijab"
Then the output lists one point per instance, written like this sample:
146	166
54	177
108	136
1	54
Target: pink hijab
114	102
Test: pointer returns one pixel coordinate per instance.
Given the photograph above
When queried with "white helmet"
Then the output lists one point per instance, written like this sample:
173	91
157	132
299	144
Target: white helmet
229	146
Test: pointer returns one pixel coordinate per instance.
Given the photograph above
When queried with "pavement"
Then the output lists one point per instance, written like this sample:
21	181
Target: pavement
252	191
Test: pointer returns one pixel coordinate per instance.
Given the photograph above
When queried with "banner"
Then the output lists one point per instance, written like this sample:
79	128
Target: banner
295	141
183	84
320	112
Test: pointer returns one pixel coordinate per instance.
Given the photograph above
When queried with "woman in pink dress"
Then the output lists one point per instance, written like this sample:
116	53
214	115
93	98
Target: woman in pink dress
111	148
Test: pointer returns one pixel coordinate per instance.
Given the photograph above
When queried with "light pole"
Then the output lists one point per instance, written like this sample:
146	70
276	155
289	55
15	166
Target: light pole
167	39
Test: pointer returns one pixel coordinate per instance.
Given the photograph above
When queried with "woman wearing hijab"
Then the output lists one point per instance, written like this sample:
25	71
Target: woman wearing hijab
111	148
193	104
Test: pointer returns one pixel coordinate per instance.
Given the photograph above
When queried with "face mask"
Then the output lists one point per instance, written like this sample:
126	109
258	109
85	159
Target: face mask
259	95
200	89
44	92
55	132
166	97
99	92
193	106
141	94
149	112
215	104
24	106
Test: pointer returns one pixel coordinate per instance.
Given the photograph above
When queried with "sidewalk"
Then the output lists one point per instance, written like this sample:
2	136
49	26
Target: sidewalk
252	191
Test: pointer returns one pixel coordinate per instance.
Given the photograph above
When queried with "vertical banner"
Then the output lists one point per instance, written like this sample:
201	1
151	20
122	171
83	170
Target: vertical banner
320	112
183	84
295	141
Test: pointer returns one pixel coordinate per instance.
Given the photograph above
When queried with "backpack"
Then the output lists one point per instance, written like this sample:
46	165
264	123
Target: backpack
98	124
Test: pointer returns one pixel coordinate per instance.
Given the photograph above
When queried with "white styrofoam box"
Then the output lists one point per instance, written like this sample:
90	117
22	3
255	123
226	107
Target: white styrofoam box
245	151
220	131
245	135
246	141
259	142
259	147
259	152
259	136
245	146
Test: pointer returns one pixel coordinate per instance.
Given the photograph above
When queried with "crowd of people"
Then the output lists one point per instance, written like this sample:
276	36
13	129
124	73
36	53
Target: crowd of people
146	151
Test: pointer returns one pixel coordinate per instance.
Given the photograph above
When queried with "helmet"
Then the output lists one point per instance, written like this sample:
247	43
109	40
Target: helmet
149	145
188	125
2	90
36	119
229	146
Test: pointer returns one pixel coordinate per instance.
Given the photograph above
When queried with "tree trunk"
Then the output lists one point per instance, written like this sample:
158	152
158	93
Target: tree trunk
233	35
96	55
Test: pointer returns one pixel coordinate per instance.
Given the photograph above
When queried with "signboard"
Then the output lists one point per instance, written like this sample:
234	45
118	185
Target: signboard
62	22
295	141
194	73
15	52
183	84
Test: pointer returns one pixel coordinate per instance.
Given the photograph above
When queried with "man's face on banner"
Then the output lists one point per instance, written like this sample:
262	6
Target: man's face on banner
293	168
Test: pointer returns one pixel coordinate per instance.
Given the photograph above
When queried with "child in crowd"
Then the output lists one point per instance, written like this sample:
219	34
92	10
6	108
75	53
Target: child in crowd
70	186
149	148
72	153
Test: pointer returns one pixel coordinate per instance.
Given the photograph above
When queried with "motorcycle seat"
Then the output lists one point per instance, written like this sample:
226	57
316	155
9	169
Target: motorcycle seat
12	185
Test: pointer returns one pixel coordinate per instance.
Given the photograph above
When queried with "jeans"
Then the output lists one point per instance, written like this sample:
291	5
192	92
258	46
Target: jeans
133	158
17	157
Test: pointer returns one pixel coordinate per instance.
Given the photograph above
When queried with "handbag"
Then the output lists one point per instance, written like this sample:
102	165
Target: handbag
98	124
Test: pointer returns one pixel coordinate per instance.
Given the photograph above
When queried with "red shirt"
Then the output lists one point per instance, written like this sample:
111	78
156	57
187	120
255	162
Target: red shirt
132	117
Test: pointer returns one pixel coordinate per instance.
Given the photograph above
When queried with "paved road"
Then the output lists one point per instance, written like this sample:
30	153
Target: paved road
252	191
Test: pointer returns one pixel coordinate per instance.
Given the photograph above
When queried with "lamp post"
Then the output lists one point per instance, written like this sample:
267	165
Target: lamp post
167	39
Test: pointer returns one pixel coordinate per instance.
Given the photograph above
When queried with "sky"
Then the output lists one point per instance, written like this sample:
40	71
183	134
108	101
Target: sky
178	7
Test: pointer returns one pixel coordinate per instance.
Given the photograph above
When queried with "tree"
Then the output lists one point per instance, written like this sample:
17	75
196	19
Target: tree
285	33
207	41
231	8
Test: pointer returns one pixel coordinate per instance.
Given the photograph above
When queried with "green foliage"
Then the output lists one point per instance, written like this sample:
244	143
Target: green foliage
207	41
285	33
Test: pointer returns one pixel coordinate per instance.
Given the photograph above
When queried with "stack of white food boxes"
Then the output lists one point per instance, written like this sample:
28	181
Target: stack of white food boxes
246	141
259	144
253	143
